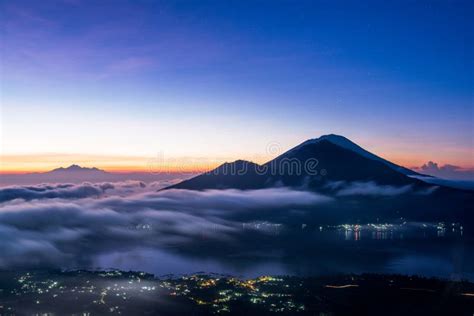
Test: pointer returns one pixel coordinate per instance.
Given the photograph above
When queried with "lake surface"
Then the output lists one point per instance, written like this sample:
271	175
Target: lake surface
426	253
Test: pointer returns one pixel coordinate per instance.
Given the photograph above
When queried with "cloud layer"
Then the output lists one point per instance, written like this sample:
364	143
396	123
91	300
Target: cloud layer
67	225
63	224
369	188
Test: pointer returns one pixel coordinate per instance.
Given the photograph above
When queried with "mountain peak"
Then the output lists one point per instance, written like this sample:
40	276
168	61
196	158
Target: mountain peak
333	138
77	168
346	143
240	162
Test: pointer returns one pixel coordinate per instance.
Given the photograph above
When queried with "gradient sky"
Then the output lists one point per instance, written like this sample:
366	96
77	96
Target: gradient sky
113	84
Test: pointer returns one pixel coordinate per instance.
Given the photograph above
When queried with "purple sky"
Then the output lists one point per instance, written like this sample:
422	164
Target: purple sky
115	83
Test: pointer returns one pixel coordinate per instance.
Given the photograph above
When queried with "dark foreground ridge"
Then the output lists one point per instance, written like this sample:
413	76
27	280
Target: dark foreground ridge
138	293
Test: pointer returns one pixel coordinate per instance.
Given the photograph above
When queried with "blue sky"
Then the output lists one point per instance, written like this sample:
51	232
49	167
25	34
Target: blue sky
224	79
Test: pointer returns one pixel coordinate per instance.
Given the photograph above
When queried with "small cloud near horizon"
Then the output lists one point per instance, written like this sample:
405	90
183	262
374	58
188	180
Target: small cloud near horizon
446	171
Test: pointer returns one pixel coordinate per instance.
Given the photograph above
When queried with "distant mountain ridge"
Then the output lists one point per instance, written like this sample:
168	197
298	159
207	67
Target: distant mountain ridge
77	174
76	168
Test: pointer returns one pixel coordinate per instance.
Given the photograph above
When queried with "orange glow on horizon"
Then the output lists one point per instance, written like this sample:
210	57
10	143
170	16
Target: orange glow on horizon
24	164
12	170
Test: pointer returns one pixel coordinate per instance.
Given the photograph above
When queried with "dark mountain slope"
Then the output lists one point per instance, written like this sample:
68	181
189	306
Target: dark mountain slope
333	163
312	165
343	142
239	174
382	192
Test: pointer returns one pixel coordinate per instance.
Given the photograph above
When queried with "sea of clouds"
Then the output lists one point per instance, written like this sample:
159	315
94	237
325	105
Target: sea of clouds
62	224
58	223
